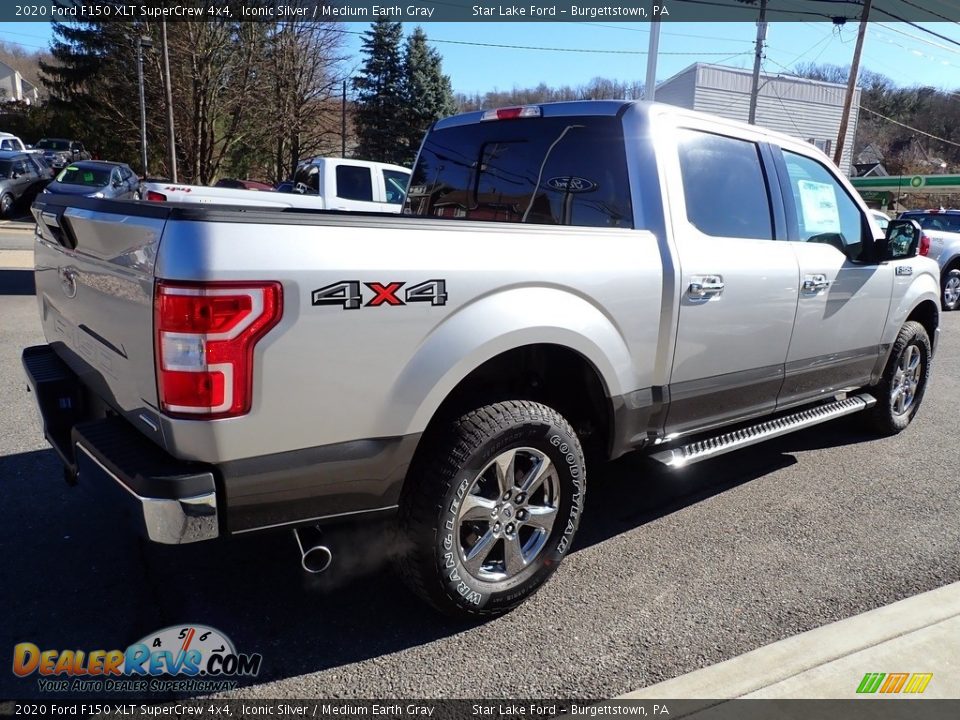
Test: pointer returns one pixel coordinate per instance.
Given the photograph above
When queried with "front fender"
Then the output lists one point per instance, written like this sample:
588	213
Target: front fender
502	321
908	293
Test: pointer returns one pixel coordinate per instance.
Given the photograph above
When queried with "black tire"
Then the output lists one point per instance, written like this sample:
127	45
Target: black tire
6	205
459	463
950	281
897	403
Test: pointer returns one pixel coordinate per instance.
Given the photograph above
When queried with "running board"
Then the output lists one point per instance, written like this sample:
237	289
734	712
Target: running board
711	447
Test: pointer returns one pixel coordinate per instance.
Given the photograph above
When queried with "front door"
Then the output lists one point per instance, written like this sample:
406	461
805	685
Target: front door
738	283
844	296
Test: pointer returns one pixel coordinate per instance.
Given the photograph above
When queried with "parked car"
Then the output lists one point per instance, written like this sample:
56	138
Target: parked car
941	242
21	178
318	184
568	282
59	151
12	143
243	184
98	179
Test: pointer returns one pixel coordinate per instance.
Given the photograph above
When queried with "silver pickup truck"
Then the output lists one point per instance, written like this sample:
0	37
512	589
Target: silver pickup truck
941	242
567	281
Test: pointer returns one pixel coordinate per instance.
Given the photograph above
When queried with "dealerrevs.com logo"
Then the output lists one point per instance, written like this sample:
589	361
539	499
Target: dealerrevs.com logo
178	658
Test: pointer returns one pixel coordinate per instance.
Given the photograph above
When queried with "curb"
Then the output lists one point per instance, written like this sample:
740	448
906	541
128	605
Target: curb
17	227
788	658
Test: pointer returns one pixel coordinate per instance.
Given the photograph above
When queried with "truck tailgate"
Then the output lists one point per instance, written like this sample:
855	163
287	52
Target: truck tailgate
94	277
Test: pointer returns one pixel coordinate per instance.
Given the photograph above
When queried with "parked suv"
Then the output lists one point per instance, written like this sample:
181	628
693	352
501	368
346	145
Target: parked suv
58	151
941	242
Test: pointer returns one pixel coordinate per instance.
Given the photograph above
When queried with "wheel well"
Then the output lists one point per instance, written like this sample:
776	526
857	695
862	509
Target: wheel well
954	264
550	374
927	314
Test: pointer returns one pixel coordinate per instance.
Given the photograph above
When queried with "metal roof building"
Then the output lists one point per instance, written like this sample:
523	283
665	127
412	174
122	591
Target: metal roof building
807	109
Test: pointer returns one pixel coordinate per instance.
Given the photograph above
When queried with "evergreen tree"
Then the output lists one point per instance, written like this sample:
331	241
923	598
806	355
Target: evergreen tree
429	95
381	103
92	80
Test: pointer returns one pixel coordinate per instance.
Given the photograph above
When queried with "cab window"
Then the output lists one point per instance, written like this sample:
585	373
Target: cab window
825	213
724	186
395	185
354	183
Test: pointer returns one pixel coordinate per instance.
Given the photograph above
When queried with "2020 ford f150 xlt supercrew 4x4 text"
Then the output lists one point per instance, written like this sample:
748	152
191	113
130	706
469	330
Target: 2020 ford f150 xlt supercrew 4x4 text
568	281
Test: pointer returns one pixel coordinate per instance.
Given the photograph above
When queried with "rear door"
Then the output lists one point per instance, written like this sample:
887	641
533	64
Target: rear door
843	295
738	290
354	187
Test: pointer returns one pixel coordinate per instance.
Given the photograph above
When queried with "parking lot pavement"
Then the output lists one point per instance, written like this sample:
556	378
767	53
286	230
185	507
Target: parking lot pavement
671	572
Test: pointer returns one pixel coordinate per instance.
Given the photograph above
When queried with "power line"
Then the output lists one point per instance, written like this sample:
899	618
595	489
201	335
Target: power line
556	49
910	127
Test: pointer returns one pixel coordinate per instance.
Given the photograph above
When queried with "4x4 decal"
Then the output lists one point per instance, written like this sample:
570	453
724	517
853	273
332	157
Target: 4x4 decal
349	295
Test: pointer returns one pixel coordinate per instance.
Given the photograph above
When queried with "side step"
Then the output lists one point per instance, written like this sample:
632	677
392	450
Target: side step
711	447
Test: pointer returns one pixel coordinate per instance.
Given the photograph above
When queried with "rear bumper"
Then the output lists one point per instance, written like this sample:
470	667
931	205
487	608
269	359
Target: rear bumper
169	501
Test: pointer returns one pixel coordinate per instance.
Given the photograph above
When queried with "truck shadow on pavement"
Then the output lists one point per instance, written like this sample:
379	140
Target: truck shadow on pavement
17	282
82	581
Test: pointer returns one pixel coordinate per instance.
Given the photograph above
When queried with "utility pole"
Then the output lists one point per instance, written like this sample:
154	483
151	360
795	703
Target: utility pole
171	140
851	83
142	42
343	121
757	60
650	86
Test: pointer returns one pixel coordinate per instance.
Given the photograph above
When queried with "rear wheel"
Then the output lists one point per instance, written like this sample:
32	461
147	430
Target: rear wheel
492	508
900	391
950	295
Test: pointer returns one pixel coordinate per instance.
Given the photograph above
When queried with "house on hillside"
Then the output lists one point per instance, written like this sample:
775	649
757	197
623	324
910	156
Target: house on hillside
807	109
14	88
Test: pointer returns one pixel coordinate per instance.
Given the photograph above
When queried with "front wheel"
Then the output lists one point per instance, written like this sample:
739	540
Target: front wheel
900	391
950	297
6	205
491	509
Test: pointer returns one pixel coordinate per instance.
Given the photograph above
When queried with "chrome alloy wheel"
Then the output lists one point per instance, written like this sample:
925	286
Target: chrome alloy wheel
507	514
951	290
906	379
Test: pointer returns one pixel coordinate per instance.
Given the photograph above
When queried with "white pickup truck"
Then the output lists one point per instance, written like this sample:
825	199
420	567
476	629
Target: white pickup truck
318	184
567	283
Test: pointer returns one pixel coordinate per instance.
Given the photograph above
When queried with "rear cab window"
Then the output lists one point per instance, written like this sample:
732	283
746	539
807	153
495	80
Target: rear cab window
936	221
548	171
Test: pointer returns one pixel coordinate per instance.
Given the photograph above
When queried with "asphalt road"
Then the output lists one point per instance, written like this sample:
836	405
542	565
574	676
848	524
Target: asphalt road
671	572
15	239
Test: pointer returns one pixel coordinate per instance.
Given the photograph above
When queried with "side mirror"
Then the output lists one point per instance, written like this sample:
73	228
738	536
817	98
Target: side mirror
902	240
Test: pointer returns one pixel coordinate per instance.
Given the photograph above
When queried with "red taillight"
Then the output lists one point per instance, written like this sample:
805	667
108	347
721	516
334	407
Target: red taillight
924	244
154	196
205	335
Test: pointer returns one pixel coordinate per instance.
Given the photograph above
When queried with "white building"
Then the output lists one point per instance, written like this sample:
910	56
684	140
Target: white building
14	87
807	109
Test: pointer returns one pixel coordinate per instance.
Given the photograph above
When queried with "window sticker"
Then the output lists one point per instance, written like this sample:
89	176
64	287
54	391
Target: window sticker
88	177
818	203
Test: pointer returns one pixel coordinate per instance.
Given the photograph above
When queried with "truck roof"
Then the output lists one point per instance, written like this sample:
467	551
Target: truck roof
615	107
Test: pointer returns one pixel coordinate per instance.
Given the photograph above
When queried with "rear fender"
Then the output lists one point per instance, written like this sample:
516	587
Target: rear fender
496	323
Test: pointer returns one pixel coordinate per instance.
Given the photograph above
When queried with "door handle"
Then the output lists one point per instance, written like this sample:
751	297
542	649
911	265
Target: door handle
815	283
702	286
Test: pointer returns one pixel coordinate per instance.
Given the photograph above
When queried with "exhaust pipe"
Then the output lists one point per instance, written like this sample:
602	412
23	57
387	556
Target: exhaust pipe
314	556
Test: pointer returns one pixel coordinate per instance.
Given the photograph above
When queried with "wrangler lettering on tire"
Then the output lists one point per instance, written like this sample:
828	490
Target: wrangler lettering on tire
492	507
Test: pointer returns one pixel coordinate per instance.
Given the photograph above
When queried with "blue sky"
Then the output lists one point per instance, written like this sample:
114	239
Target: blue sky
904	53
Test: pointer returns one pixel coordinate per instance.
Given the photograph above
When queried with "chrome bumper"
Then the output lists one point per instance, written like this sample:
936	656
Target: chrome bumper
170	521
169	501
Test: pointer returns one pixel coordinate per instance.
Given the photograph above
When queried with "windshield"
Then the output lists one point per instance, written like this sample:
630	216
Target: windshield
53	145
90	177
561	170
5	167
935	221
